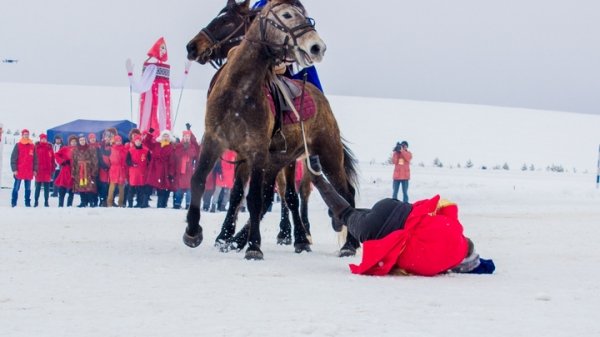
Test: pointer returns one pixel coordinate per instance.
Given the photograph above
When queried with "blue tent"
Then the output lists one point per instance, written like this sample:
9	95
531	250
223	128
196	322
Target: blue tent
87	126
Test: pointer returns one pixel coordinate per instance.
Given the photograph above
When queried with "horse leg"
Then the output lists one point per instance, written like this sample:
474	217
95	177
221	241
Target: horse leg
255	204
284	237
211	150
301	242
331	167
304	191
224	238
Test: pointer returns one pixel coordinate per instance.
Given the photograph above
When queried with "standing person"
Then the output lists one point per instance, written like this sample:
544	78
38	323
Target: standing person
43	168
96	146
209	189
22	163
64	180
224	181
85	168
138	157
117	174
424	238
104	164
56	145
186	154
401	159
162	168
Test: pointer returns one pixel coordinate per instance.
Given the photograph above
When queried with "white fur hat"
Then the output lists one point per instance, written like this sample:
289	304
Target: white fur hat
165	132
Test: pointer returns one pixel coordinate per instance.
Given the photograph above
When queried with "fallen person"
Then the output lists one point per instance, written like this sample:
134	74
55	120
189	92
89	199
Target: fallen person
424	238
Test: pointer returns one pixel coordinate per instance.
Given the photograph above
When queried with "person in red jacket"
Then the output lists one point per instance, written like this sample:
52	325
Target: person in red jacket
161	171
424	238
22	163
224	181
43	168
64	180
117	173
138	157
401	159
186	154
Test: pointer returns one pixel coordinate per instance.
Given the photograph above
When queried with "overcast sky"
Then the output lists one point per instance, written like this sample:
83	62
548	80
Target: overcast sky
542	54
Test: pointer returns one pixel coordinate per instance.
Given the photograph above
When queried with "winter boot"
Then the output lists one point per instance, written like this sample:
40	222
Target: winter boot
336	203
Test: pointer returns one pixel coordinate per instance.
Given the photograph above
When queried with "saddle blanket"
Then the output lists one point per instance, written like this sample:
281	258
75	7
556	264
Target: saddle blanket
308	106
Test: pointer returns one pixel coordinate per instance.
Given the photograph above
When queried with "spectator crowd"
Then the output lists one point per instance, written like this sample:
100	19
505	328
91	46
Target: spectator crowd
114	173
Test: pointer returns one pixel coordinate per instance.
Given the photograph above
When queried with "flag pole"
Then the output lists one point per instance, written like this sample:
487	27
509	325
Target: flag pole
188	64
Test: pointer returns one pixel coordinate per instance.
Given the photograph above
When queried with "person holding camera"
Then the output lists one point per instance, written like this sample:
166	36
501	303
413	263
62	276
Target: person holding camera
401	159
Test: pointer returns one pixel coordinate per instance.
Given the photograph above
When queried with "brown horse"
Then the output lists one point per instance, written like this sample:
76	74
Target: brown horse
238	117
211	45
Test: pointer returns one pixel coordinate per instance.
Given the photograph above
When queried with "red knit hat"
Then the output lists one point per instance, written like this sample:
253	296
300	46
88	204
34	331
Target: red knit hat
43	136
24	131
92	136
159	50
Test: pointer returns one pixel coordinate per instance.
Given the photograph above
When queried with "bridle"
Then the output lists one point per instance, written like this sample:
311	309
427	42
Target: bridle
217	44
281	51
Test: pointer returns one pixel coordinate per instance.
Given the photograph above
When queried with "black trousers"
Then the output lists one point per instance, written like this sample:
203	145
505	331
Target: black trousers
384	217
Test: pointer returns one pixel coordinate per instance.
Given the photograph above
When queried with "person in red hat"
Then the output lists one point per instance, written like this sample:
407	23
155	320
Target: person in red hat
155	89
43	168
425	238
64	180
117	174
138	157
22	163
186	153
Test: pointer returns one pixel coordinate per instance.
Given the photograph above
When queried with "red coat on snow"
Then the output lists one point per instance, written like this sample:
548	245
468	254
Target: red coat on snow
162	167
227	176
44	164
430	243
138	165
22	158
64	157
117	173
401	160
185	162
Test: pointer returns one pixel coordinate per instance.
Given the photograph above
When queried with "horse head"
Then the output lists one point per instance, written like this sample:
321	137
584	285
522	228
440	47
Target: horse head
224	32
288	33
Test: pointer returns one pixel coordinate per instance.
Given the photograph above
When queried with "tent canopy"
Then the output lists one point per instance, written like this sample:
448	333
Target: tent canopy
87	126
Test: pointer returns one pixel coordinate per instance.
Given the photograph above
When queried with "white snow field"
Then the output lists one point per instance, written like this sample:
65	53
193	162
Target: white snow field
126	272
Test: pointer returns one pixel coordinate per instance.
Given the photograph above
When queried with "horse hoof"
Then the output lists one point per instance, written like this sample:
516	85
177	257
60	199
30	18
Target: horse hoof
302	247
192	241
253	255
346	252
284	240
222	246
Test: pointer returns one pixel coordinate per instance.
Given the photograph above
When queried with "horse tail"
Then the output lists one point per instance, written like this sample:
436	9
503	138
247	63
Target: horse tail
350	167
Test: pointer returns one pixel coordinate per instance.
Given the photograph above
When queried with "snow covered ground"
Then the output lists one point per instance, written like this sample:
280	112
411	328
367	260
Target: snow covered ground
125	272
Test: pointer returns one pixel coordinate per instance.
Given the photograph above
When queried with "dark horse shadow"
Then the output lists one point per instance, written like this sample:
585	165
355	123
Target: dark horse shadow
238	117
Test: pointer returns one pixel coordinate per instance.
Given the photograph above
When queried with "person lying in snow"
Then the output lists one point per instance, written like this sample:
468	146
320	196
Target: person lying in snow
424	238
